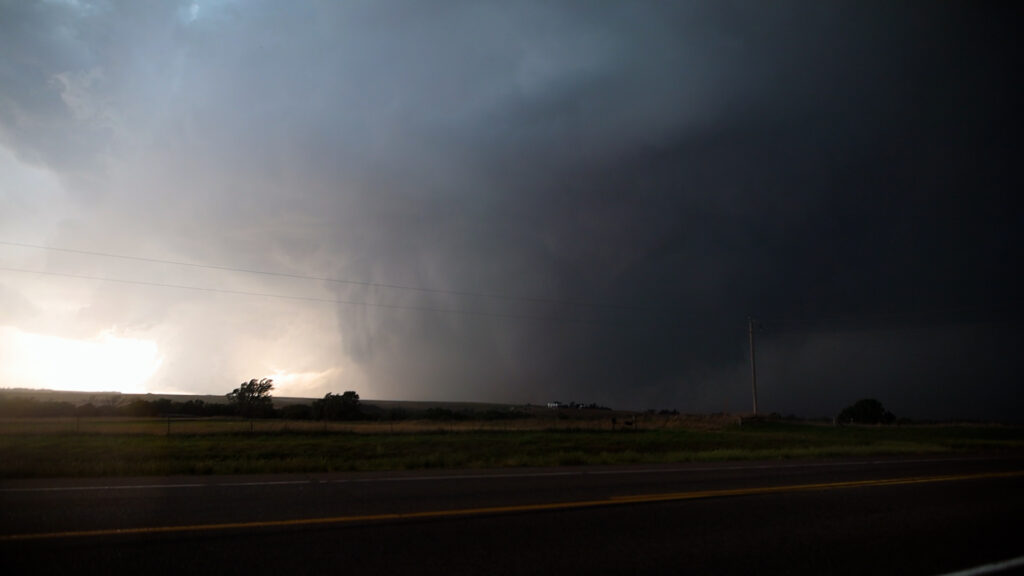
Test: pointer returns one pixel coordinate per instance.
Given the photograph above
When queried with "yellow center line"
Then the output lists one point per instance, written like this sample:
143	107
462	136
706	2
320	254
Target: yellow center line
809	487
491	510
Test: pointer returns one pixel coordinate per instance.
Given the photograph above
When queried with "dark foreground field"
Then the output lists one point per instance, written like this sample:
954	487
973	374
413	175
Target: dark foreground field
138	447
767	497
921	515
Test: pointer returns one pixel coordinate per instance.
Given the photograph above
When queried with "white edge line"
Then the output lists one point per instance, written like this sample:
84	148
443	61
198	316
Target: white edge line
990	568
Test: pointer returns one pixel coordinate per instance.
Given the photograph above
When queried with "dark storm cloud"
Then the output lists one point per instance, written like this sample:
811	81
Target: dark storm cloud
848	164
683	165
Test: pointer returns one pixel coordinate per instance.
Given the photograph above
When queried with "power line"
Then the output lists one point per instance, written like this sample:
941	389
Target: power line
476	313
466	293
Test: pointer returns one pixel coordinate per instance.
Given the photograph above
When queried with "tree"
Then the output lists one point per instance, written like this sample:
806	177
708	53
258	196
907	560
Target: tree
866	411
338	407
252	399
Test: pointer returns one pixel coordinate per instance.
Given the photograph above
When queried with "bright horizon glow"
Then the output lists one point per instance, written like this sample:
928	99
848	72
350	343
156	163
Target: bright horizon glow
301	384
103	363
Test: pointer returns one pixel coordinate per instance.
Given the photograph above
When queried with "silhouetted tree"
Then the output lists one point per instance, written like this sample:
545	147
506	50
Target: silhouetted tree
163	406
338	407
192	408
866	411
252	399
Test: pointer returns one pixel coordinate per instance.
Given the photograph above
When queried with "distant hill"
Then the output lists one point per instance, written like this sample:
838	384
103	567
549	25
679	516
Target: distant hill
369	406
106	398
102	398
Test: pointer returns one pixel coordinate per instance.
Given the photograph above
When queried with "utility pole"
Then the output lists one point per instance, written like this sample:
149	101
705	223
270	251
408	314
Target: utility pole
753	363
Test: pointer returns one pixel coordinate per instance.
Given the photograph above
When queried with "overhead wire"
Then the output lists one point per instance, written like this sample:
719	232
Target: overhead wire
775	325
465	293
456	311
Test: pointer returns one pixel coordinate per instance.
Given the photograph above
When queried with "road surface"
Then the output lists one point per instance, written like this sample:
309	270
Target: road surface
873	516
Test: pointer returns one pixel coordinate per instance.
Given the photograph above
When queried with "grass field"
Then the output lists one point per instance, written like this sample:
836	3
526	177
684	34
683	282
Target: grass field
178	426
106	447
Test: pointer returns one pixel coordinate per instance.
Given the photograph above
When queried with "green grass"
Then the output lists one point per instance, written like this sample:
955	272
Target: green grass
36	452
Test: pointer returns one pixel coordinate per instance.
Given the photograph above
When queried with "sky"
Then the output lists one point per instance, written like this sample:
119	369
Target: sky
516	201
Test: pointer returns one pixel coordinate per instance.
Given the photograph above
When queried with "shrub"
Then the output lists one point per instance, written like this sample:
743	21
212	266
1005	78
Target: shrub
866	411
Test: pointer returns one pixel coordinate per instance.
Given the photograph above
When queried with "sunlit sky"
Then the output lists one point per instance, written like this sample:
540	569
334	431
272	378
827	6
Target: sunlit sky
104	362
514	201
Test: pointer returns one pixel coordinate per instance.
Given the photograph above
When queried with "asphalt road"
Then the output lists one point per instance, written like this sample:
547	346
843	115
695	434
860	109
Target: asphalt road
885	516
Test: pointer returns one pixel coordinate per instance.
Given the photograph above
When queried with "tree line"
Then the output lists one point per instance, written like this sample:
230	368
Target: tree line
20	407
252	399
